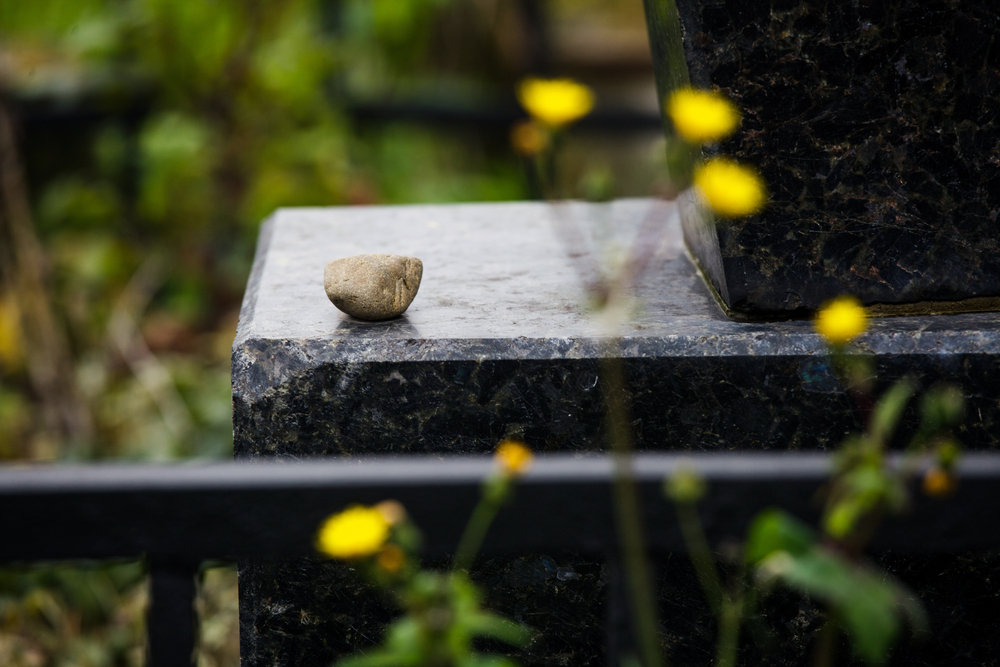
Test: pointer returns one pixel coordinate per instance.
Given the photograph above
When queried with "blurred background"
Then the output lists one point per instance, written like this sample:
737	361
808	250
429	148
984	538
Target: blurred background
142	142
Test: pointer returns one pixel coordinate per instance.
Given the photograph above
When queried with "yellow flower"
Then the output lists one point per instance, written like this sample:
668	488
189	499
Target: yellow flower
701	116
555	102
939	483
528	138
685	484
354	533
514	458
841	320
392	511
391	559
730	189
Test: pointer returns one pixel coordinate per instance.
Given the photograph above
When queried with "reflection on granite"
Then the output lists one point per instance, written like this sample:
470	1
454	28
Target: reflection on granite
399	327
876	126
496	344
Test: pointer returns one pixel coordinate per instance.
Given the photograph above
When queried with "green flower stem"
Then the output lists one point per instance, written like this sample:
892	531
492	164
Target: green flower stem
729	633
855	542
701	556
728	609
825	644
855	372
536	186
638	572
550	165
495	491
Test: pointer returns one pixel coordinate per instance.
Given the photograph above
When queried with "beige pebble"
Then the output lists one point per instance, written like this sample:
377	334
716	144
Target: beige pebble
373	287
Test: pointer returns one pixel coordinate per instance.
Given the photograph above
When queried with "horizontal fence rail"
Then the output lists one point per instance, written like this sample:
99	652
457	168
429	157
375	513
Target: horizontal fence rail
177	516
273	509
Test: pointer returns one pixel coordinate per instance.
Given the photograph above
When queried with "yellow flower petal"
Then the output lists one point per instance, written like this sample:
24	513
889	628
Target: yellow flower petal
701	116
939	483
730	189
841	320
528	138
514	457
392	511
555	102
354	533
391	559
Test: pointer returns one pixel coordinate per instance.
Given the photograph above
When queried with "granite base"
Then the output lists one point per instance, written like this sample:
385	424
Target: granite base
496	344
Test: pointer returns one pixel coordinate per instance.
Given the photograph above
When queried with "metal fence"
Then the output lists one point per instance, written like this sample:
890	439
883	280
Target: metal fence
176	516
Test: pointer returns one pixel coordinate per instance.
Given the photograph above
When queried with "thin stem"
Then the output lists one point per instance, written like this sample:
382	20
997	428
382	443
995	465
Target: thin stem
847	366
533	175
479	523
647	242
701	556
729	633
628	517
48	351
728	609
548	165
854	544
825	644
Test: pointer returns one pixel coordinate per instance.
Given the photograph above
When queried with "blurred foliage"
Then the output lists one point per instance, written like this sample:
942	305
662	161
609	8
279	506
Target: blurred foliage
73	615
156	136
190	123
218	608
860	600
93	615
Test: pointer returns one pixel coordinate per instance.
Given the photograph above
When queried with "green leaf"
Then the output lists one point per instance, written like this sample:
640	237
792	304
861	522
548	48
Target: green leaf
403	646
861	491
485	660
489	625
842	517
889	410
404	636
378	659
869	604
774	530
942	407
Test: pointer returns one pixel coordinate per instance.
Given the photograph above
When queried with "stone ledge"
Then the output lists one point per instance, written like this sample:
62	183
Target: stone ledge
498	320
496	344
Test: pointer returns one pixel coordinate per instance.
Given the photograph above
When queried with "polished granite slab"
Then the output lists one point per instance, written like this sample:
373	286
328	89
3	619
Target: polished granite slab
874	124
498	342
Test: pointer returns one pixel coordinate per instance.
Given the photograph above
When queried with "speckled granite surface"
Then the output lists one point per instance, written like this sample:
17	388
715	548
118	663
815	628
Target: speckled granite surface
496	341
876	126
496	344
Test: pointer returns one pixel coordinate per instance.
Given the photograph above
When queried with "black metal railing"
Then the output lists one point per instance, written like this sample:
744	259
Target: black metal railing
177	516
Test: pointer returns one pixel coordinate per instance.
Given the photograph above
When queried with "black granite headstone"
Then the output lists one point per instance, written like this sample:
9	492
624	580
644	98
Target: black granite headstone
876	125
497	344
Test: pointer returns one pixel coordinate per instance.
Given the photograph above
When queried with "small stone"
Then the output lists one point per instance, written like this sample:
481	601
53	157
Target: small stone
373	287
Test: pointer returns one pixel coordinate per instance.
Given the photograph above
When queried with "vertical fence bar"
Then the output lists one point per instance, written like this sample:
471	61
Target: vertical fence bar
170	621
